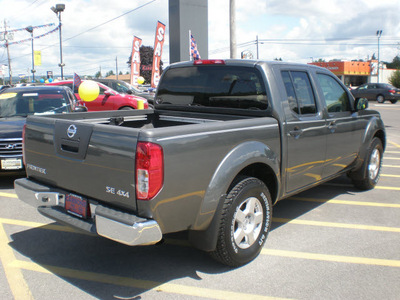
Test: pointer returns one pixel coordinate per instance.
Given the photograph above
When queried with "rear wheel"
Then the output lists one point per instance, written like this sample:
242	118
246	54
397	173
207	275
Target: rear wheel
380	98
367	176
245	223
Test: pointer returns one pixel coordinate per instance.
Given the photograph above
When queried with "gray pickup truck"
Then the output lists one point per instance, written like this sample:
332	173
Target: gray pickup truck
227	139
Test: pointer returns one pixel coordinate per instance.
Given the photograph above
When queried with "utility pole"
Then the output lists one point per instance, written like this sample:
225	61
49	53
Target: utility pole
257	45
232	7
116	67
378	33
6	37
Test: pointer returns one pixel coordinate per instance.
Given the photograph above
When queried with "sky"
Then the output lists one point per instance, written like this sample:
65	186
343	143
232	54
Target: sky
97	35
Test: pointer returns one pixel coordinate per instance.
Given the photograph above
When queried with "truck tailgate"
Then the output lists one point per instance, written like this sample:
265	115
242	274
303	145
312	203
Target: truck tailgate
92	160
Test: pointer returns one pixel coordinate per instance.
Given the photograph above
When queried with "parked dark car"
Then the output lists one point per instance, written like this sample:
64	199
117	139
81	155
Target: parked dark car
377	91
3	87
125	88
18	103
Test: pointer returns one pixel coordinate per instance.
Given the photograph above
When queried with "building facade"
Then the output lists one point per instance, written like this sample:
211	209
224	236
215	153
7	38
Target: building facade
355	73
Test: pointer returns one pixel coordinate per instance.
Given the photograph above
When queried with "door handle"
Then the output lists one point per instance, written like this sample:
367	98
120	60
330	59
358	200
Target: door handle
332	126
296	132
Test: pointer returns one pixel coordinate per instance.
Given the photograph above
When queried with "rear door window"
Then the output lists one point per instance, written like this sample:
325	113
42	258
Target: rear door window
299	92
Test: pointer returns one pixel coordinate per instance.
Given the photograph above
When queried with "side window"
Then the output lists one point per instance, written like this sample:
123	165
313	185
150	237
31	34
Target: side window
102	90
336	98
299	91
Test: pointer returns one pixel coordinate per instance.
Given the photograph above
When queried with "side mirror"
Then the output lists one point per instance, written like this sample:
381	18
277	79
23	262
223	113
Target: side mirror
80	108
361	104
129	92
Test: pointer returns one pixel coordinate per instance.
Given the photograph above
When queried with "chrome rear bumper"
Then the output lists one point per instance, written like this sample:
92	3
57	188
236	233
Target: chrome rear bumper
116	225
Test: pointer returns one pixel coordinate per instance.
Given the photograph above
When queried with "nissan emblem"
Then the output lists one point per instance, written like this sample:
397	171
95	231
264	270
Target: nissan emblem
71	131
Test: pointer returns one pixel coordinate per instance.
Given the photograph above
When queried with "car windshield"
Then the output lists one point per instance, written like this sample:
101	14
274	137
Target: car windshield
24	103
213	86
125	87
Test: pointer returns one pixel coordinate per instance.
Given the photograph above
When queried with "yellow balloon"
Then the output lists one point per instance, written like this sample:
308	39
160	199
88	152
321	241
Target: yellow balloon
140	80
88	90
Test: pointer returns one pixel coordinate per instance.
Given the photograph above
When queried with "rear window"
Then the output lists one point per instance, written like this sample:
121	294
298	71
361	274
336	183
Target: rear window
213	86
32	102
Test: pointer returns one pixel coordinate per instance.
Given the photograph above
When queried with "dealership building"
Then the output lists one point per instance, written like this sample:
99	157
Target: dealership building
355	73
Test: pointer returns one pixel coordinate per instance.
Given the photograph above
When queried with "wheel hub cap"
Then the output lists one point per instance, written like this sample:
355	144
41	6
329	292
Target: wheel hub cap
247	222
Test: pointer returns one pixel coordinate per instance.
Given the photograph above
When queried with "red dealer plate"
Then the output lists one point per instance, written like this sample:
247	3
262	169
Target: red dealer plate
77	206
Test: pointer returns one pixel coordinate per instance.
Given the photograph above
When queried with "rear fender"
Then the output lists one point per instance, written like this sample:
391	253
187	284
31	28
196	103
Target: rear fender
205	233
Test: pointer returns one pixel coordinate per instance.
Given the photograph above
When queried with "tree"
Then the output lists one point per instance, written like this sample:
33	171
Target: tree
395	79
109	73
395	64
146	62
98	74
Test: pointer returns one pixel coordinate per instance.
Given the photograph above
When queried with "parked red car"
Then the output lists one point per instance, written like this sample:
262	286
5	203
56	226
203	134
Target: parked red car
108	98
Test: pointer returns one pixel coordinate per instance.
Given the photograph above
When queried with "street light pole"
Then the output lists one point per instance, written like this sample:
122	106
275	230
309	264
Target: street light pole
30	30
57	10
378	33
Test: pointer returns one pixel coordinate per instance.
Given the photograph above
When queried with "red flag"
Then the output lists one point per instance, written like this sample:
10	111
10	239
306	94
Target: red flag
135	60
158	45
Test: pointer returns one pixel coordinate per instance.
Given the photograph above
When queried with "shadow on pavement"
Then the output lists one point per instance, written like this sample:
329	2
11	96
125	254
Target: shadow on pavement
123	272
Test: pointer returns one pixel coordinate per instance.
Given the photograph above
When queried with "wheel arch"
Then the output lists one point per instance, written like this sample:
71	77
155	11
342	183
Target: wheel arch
250	159
375	129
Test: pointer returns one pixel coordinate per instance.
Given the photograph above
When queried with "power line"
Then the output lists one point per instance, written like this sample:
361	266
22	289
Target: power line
109	21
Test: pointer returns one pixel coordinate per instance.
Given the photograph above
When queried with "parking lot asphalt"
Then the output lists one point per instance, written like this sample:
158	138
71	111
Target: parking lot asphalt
330	242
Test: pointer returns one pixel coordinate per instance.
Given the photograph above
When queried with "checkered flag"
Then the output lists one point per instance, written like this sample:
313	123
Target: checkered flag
193	49
77	80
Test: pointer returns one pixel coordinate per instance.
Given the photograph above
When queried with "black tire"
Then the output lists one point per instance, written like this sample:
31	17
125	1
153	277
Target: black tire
368	175
126	108
393	101
246	213
380	98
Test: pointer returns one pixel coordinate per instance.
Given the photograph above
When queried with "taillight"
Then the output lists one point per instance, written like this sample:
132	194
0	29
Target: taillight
392	91
149	170
209	62
23	145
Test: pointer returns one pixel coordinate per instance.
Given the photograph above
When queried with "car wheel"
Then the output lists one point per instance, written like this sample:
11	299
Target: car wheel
380	99
369	172
245	223
393	101
126	108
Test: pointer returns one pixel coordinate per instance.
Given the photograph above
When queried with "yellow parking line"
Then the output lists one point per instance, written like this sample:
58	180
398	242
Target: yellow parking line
392	152
9	195
16	281
137	283
378	187
347	202
392	158
394	144
336	225
333	258
389	175
391	166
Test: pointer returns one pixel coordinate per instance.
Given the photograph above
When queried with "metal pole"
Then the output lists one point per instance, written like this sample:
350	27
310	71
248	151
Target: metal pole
61	56
8	53
232	7
257	45
116	67
33	61
378	33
